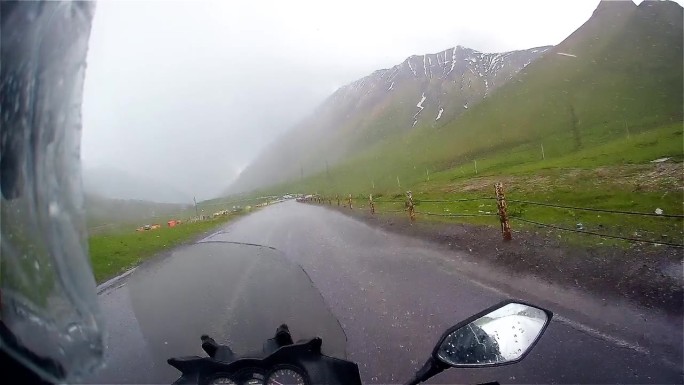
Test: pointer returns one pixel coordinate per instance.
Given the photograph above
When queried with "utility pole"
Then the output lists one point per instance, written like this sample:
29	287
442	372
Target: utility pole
196	211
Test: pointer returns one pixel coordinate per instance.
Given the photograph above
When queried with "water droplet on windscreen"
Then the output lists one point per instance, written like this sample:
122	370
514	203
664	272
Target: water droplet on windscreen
53	209
519	350
36	265
515	335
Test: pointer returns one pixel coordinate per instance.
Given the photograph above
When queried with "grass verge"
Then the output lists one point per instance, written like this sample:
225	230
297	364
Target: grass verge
112	254
617	175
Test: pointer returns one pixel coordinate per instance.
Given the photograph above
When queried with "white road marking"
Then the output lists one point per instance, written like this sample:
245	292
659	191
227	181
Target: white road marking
616	341
598	334
106	286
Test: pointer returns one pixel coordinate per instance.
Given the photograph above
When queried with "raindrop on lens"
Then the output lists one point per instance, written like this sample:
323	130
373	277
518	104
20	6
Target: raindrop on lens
53	209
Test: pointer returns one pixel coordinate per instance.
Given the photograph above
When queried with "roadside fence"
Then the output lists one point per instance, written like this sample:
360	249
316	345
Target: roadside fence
504	215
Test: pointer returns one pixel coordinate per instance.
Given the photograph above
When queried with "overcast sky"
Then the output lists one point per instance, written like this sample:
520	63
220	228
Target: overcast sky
188	93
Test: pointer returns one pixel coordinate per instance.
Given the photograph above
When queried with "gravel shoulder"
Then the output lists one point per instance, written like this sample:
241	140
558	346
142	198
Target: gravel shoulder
648	276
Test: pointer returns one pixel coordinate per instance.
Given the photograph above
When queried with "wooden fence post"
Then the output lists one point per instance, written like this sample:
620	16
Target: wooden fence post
411	209
372	206
503	215
350	202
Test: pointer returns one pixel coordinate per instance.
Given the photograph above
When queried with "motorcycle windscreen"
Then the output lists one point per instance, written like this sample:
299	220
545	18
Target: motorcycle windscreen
236	294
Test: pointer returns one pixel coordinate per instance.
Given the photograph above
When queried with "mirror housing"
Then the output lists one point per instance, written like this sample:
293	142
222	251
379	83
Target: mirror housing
501	335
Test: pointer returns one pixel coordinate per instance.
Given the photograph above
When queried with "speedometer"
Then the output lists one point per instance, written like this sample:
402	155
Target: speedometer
222	381
286	376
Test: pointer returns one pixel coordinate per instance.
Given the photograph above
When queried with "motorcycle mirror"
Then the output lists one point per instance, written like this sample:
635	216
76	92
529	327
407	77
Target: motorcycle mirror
501	335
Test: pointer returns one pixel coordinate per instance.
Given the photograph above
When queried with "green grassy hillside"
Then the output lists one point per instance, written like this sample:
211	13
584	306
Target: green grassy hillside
424	91
608	98
628	83
106	215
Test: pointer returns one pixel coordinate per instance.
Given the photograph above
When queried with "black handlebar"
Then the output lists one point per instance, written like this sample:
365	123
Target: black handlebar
278	351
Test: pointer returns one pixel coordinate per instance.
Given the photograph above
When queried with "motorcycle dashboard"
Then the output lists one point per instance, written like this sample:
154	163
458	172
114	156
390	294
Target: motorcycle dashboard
297	364
248	376
279	375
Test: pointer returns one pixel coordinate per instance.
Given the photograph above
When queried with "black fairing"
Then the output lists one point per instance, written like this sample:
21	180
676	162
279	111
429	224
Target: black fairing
306	356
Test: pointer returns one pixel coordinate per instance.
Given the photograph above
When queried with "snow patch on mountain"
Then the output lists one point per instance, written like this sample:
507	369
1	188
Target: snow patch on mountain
453	61
439	114
420	103
420	106
411	67
425	65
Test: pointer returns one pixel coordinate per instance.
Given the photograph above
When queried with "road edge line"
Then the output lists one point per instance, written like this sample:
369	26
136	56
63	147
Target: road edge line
616	341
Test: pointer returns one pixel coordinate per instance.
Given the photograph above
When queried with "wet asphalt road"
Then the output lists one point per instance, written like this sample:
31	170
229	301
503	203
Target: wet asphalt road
392	295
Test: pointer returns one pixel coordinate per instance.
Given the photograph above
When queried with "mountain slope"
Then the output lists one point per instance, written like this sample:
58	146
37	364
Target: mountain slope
116	184
101	211
428	90
619	74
